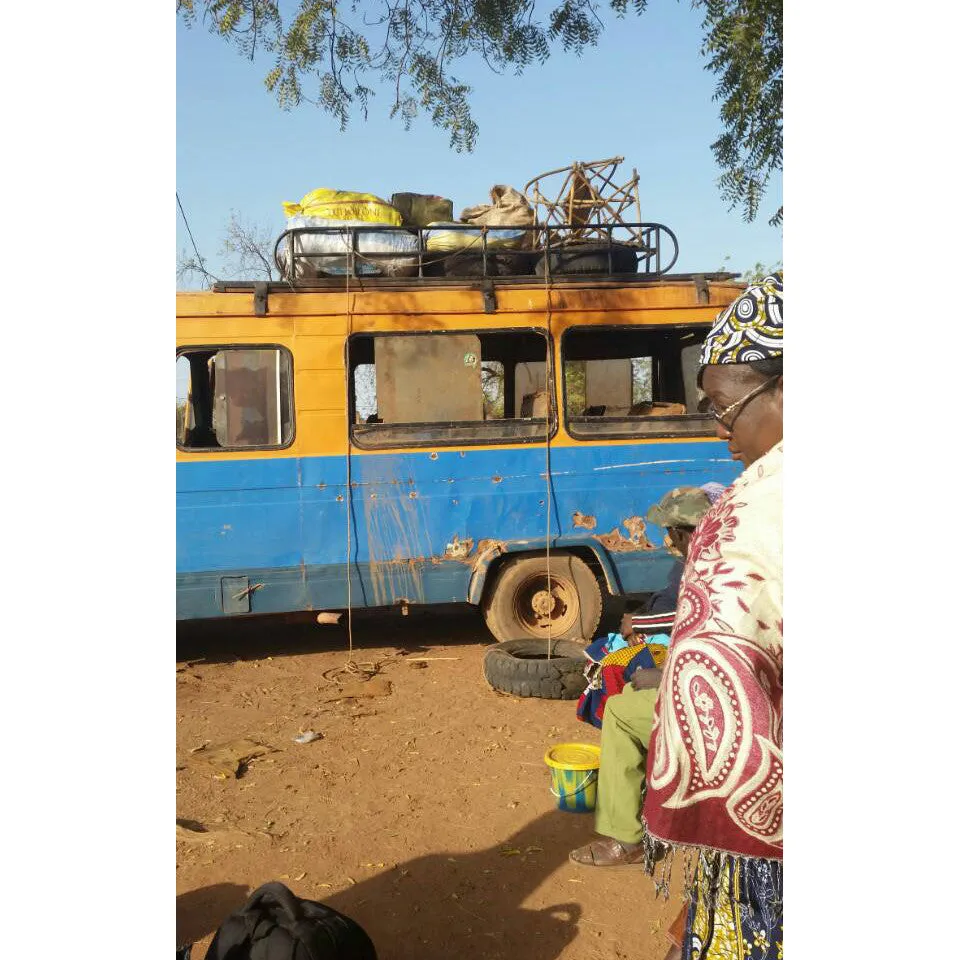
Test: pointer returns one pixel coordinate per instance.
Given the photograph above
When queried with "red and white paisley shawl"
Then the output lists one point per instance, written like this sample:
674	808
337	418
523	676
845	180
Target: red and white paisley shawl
715	766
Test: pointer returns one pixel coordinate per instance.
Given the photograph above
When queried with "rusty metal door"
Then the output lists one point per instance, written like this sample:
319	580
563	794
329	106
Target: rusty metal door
429	379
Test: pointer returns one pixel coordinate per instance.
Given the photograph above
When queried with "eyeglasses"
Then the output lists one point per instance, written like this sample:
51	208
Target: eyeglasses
719	415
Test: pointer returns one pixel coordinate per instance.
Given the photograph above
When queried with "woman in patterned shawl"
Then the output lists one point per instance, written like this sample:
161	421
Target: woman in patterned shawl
715	764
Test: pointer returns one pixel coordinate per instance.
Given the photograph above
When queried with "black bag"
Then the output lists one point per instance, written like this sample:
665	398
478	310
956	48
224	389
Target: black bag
275	924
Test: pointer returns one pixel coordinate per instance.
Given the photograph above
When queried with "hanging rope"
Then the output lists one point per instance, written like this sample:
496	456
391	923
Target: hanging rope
548	385
349	495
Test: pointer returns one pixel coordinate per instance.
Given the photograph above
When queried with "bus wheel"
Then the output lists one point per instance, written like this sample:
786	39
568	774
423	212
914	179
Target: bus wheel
525	603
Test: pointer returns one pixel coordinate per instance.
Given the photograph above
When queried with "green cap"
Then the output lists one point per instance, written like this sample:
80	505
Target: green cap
682	507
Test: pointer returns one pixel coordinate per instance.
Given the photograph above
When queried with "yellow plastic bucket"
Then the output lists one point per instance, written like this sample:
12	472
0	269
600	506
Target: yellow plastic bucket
574	768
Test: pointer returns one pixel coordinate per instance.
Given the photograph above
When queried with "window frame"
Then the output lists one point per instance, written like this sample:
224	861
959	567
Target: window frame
216	347
570	424
552	421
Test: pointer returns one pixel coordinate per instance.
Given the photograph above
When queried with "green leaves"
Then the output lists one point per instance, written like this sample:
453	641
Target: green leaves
744	48
333	54
576	24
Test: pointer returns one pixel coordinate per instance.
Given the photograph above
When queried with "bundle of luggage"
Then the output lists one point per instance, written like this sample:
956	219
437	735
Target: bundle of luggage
377	252
275	924
339	232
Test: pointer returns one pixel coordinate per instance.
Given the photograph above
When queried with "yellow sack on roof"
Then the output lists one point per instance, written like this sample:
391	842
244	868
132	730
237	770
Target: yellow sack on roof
344	205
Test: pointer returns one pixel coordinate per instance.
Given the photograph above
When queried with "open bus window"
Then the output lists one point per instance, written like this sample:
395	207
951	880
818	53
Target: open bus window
445	388
231	398
633	382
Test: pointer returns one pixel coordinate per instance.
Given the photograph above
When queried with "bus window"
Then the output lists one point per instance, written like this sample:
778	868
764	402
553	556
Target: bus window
412	389
184	413
530	380
623	382
231	398
365	391
492	373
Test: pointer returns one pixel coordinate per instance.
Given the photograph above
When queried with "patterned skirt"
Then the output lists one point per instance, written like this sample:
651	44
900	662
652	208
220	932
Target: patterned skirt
745	920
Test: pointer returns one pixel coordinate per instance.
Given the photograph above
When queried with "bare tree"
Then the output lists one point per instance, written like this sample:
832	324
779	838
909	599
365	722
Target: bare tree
246	249
190	268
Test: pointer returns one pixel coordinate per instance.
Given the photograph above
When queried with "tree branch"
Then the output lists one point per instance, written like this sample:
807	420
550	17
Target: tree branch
395	40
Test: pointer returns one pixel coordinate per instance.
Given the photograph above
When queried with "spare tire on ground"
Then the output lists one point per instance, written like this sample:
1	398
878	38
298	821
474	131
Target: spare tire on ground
522	668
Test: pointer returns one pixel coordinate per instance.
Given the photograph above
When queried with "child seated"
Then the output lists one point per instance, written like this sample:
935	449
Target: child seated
614	660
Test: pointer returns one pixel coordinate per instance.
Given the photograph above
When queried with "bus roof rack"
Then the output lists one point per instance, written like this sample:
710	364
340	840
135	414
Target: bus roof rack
320	284
463	250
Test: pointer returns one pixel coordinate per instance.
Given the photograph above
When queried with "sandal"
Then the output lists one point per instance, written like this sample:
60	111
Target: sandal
608	853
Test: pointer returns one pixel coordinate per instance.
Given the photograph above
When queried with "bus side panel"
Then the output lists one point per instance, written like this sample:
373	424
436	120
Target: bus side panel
238	518
419	518
422	521
217	593
327	543
603	492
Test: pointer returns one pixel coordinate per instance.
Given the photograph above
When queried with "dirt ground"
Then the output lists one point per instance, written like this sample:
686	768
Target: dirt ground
425	814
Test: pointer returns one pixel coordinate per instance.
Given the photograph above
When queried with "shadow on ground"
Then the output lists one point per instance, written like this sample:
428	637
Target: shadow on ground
200	912
277	635
446	905
479	915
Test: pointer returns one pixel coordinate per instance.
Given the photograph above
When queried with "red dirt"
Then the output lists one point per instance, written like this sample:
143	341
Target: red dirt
425	815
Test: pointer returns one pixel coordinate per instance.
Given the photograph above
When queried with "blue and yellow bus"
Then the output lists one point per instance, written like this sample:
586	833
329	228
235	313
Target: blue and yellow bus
394	442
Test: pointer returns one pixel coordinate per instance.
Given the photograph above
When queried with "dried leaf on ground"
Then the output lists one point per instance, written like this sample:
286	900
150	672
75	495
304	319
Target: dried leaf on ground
232	758
193	831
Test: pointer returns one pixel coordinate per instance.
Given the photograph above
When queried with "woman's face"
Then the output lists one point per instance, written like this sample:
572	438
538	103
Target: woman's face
757	423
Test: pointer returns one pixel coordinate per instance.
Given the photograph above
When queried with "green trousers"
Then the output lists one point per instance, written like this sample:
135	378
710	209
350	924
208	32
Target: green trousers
624	736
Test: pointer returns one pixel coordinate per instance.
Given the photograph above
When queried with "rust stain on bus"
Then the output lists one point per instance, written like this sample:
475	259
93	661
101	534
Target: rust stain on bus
616	542
397	557
458	549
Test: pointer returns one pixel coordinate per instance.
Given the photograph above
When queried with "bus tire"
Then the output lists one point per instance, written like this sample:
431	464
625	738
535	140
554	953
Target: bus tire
589	258
523	669
518	606
501	264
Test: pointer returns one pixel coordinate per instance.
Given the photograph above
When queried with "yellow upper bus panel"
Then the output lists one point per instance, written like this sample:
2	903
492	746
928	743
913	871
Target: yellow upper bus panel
313	325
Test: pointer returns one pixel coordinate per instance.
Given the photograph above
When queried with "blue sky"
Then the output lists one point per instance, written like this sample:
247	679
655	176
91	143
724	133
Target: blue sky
643	94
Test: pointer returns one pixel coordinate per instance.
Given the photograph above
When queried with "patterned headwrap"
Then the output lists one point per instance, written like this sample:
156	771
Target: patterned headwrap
713	491
750	328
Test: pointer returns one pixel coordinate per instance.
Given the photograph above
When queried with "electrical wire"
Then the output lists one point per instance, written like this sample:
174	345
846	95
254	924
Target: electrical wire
186	223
